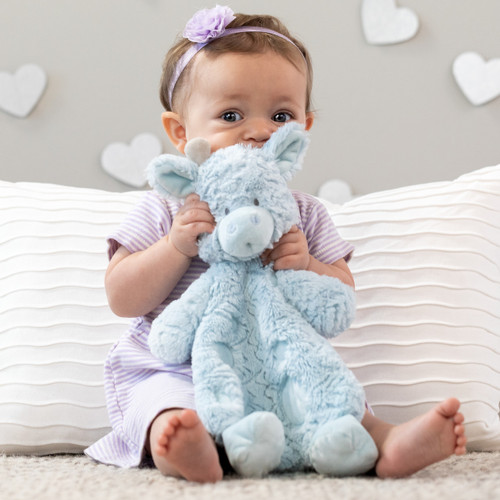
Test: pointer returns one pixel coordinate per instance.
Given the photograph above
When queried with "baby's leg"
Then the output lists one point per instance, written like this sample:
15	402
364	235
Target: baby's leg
422	441
181	447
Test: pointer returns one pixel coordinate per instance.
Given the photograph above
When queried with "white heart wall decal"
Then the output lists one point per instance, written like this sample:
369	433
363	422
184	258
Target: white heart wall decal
336	191
127	163
386	23
21	91
478	79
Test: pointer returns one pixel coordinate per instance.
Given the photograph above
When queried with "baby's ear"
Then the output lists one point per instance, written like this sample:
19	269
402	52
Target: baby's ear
288	146
172	176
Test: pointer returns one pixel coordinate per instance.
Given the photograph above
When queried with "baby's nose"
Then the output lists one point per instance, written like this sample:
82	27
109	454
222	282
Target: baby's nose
259	131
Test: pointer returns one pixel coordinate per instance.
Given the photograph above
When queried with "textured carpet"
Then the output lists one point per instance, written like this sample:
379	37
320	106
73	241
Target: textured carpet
73	477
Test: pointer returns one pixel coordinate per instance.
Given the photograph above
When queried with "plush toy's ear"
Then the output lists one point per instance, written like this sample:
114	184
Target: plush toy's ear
288	146
172	176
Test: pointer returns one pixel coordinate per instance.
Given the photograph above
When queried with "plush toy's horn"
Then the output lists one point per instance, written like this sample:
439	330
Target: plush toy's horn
197	150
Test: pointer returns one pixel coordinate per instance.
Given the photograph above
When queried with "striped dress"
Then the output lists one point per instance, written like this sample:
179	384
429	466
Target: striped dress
138	386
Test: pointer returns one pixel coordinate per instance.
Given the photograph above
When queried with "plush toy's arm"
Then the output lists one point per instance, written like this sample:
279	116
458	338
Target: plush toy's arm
173	331
325	302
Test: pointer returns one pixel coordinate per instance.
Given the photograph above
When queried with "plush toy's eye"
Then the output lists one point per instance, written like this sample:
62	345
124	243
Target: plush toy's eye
226	211
256	202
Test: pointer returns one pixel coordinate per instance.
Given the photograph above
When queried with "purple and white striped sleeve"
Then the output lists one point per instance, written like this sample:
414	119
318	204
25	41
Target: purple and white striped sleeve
325	243
147	223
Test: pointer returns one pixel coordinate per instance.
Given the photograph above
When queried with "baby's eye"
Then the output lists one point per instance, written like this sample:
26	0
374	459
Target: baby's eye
231	116
282	117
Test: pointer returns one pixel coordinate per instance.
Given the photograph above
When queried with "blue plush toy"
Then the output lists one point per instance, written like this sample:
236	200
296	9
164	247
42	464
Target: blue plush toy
268	384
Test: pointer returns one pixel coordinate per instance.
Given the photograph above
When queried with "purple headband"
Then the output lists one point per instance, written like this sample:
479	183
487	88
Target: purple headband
208	25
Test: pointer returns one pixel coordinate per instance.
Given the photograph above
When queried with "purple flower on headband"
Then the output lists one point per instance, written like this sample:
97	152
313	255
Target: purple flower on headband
208	23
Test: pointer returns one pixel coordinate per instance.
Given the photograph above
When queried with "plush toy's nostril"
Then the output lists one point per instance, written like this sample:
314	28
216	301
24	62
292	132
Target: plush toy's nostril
255	219
231	228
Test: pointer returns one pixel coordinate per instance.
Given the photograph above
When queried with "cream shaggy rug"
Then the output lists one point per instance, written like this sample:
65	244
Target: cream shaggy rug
475	476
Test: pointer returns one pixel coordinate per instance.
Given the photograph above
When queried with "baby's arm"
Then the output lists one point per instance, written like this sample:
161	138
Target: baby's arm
292	252
138	282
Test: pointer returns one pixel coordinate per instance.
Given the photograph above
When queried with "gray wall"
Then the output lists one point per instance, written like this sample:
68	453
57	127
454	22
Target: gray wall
386	115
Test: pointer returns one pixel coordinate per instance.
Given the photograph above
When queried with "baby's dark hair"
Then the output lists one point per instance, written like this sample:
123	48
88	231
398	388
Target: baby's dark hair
246	43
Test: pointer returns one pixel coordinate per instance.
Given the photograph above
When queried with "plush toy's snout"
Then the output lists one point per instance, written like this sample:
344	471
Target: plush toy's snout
246	232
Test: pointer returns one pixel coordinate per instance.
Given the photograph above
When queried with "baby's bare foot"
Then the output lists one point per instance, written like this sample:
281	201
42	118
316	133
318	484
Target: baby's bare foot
181	447
423	441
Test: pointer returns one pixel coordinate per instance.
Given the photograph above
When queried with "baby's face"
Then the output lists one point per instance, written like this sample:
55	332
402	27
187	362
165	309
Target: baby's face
243	98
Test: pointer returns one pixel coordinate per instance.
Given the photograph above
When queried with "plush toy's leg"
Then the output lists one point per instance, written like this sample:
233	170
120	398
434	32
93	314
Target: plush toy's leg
343	447
254	445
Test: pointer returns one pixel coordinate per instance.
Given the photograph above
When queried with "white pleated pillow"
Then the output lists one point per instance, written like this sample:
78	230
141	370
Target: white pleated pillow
427	272
55	327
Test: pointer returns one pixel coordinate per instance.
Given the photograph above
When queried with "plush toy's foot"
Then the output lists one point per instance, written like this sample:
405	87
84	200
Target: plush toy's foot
254	445
343	447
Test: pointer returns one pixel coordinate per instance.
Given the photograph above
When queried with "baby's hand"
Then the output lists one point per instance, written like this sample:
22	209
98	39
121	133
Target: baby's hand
192	219
290	252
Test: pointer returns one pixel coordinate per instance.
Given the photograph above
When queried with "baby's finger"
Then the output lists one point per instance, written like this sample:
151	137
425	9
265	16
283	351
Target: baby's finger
193	201
265	256
202	227
195	212
191	198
